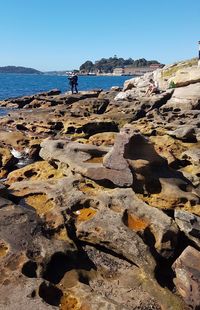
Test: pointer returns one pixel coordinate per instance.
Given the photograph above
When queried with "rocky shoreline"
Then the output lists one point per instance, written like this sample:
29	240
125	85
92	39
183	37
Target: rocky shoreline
100	197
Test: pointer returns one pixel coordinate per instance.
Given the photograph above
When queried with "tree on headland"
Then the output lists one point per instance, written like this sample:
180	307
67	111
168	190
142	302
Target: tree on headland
87	66
106	65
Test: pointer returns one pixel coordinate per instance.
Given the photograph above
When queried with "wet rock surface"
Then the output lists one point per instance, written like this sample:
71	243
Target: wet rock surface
100	198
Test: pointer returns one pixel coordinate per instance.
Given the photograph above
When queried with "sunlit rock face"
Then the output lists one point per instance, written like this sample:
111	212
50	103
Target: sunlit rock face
100	197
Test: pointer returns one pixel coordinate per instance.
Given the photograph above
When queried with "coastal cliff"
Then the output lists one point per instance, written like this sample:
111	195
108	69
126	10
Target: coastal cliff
100	197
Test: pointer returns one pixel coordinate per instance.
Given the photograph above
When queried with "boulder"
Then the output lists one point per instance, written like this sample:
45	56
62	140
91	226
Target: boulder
185	133
184	98
114	278
190	224
86	160
186	76
6	161
192	155
178	74
89	106
106	228
187	281
156	229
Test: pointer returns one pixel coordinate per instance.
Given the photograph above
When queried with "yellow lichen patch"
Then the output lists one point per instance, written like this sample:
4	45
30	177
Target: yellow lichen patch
69	302
85	214
90	187
168	147
3	173
3	248
15	138
158	201
95	160
135	223
191	169
192	209
62	235
5	156
40	203
37	171
105	138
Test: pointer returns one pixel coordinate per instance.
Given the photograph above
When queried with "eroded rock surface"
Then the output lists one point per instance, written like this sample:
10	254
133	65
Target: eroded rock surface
100	197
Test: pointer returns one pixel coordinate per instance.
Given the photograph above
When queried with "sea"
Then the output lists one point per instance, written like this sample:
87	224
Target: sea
17	85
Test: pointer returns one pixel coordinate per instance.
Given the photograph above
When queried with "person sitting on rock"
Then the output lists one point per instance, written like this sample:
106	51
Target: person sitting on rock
73	82
153	88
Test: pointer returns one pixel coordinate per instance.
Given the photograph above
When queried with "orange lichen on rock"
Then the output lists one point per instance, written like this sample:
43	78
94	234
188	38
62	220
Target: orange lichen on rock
136	223
85	214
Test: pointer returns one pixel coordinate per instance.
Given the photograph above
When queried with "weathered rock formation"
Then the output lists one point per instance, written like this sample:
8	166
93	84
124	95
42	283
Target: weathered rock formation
100	197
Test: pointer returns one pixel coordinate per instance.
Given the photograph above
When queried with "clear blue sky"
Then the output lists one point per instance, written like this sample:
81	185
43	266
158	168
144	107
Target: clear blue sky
62	34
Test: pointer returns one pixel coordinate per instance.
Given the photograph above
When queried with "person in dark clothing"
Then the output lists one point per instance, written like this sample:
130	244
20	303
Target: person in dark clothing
73	82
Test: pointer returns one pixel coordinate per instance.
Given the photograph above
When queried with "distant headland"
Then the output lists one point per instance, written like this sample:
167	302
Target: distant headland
105	66
114	66
14	69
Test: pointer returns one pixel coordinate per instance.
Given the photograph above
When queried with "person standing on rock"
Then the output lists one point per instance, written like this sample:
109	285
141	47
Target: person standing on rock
73	82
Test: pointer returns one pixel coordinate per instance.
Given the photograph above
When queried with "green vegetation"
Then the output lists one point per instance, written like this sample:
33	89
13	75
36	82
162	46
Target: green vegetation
171	71
172	84
13	69
106	65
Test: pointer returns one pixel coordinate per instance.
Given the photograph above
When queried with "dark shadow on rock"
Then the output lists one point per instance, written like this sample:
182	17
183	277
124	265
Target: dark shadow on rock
60	263
153	166
29	269
164	273
50	294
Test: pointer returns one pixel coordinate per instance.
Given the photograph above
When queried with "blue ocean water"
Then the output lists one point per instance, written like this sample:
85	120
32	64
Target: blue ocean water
17	85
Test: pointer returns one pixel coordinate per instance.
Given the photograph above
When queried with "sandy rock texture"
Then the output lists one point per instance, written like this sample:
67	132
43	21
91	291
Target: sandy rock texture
100	197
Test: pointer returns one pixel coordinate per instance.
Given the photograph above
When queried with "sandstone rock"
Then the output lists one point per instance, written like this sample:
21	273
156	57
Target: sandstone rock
184	98
86	128
168	147
148	222
82	297
13	139
186	76
6	161
192	155
23	294
49	199
87	107
187	279
139	82
86	160
192	173
114	278
77	235
179	72
115	88
190	224
185	133
41	170
104	139
107	229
